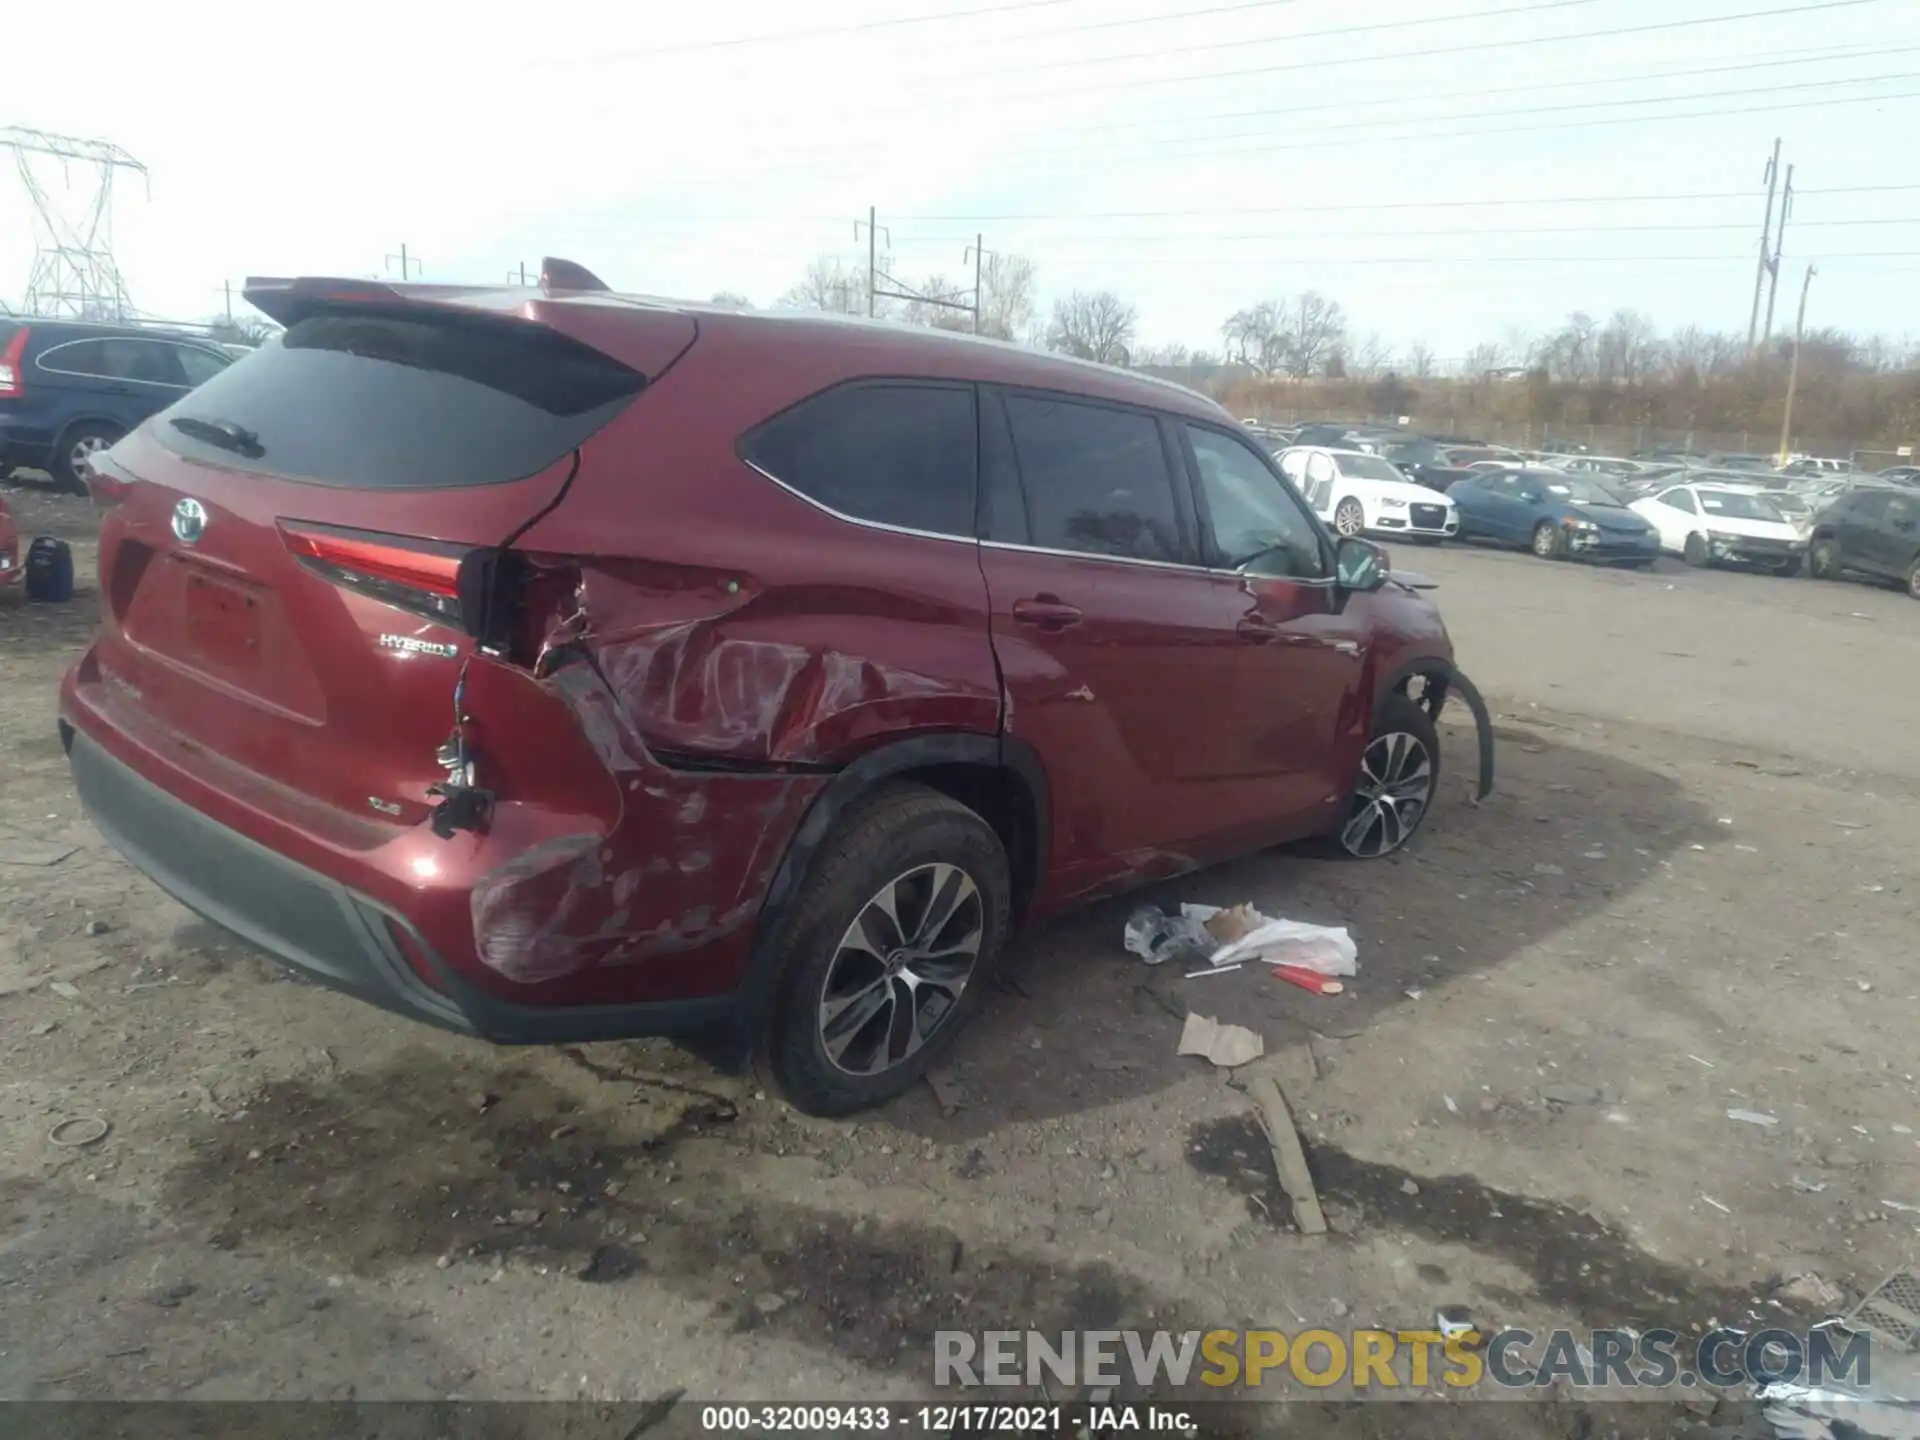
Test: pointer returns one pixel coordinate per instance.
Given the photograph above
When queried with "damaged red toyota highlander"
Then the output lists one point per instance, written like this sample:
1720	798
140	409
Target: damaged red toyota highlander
551	665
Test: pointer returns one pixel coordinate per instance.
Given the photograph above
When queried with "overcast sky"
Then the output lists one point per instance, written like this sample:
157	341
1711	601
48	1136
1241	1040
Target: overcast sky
1193	155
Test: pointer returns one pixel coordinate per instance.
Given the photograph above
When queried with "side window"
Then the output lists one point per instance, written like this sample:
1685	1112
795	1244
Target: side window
1257	522
1097	480
1866	507
149	362
895	454
77	357
1293	464
1320	476
1900	510
199	366
1680	500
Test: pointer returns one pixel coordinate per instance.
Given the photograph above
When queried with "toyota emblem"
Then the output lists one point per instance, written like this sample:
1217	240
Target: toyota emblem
189	521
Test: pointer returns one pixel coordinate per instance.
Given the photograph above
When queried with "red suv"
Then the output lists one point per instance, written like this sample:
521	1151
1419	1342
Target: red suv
553	665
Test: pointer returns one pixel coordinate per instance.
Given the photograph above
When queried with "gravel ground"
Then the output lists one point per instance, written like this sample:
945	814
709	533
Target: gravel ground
1692	890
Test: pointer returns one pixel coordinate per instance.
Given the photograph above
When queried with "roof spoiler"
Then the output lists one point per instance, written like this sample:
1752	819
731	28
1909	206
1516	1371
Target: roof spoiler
288	301
558	274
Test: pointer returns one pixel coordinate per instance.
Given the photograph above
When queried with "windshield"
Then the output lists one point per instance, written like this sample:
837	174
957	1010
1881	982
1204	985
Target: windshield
1462	458
1791	507
1732	505
1580	492
1367	467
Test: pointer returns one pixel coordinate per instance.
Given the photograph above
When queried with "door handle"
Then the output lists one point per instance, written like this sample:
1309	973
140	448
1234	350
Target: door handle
1048	612
1257	631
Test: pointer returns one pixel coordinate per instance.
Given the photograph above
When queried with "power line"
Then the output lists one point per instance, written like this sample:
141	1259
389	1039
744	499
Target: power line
823	31
1831	55
1478	204
1535	6
1431	52
1164	145
1334	139
1130	237
1156	146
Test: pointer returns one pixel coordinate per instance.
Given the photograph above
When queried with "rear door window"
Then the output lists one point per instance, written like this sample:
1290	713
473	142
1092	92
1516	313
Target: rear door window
145	362
900	454
404	402
1097	480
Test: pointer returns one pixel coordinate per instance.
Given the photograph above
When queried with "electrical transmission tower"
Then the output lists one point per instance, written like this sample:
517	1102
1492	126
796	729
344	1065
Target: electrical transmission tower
73	268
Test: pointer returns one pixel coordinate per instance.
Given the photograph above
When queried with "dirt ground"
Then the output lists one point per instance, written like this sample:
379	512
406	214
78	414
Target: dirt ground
1694	889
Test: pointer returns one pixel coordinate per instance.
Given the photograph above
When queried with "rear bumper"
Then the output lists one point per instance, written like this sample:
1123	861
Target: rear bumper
327	932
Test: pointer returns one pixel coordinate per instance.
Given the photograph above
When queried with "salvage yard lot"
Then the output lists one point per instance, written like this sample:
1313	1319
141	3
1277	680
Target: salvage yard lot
1693	889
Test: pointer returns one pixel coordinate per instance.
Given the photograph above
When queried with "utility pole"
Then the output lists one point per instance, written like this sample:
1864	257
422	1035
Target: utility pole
520	272
1779	244
1766	248
978	254
873	254
1793	369
409	267
227	286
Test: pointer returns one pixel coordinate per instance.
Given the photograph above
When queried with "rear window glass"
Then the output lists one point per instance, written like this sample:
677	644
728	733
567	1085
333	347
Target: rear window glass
389	402
897	454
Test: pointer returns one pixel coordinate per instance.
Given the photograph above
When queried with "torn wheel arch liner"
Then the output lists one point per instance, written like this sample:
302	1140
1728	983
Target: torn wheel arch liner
1442	669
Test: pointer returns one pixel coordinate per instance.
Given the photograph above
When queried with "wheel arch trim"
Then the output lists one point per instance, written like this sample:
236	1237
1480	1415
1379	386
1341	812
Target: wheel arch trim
860	777
1440	668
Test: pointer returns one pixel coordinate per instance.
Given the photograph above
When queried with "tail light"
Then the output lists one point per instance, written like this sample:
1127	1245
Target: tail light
13	365
420	576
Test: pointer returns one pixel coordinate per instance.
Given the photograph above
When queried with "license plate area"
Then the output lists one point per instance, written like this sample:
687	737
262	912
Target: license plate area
222	623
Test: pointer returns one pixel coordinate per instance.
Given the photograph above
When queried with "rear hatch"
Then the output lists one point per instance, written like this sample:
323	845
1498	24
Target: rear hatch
279	552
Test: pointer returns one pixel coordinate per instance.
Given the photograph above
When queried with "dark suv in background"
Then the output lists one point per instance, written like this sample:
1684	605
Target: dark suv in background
1872	531
69	388
555	666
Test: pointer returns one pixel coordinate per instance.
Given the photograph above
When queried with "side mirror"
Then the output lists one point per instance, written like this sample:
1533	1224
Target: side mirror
1359	565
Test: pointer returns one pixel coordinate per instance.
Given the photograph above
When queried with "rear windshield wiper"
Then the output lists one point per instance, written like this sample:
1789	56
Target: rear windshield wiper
222	434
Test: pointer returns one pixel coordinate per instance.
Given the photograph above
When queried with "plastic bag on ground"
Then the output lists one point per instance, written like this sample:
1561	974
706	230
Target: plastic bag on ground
1326	949
1156	936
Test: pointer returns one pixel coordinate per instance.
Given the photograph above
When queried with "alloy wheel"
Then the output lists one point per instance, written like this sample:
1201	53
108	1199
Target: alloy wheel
1348	518
80	454
1396	782
900	968
1822	561
1543	542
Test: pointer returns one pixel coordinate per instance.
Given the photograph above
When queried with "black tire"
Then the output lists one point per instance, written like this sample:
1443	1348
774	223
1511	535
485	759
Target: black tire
1641	565
1823	561
1913	578
893	839
1548	541
68	453
1398	716
1695	552
1787	569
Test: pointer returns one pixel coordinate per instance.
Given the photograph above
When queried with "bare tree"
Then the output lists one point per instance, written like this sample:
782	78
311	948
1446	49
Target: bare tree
1628	349
830	284
930	311
1006	296
1371	356
1420	360
1485	360
1253	337
1094	325
1172	356
1312	328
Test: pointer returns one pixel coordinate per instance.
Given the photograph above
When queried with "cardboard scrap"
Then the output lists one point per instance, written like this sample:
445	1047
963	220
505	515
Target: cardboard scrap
1225	1045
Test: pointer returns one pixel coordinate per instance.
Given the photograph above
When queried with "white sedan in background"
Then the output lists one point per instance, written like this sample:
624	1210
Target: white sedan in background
1356	493
1723	524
